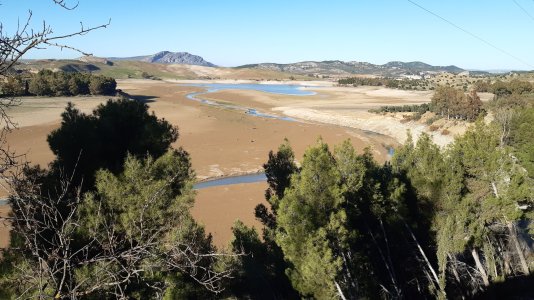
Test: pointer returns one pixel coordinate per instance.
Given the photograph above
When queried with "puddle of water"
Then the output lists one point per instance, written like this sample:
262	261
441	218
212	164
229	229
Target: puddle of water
282	89
251	178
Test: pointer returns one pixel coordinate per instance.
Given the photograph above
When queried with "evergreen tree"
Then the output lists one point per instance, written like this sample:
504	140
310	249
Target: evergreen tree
86	143
132	236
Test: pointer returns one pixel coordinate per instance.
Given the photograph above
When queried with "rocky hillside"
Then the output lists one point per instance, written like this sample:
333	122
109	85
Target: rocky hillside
167	57
341	68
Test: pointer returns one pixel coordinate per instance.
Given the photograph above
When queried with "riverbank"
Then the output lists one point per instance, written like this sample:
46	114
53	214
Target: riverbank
221	142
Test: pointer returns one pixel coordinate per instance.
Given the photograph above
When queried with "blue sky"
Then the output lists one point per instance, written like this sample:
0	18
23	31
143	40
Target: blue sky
231	33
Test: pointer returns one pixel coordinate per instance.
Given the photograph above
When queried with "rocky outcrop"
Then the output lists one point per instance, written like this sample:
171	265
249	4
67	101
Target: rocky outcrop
167	57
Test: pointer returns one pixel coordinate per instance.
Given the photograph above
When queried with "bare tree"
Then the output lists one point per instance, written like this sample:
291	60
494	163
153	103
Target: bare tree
49	258
13	46
72	245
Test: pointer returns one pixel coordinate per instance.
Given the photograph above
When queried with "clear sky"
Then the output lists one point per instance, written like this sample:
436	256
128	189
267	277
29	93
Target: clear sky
231	32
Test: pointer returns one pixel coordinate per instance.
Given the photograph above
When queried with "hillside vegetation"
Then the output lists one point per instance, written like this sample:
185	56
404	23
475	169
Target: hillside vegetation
124	69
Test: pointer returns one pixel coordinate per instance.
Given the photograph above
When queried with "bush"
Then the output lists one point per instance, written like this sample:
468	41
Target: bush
101	85
86	143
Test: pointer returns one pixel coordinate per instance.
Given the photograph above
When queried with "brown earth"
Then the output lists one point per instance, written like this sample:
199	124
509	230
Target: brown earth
221	142
4	226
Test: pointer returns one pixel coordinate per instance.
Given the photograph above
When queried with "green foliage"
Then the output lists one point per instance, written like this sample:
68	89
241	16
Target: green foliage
522	138
311	203
48	83
101	85
14	86
261	269
149	201
136	220
404	84
452	103
348	226
278	169
505	88
420	109
86	143
40	85
478	188
338	221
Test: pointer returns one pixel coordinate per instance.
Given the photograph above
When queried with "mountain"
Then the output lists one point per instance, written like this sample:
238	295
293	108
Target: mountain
167	57
341	68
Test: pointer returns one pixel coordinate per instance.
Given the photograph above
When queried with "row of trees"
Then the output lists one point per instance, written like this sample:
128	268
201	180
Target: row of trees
446	102
365	81
420	109
48	83
505	88
404	84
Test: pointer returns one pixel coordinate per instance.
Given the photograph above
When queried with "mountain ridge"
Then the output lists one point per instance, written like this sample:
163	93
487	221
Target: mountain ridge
337	67
168	57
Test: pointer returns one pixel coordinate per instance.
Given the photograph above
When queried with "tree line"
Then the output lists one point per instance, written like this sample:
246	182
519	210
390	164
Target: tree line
455	104
417	108
446	102
48	83
505	88
404	84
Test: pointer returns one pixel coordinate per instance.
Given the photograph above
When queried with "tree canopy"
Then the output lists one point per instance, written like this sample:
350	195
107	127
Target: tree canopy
85	143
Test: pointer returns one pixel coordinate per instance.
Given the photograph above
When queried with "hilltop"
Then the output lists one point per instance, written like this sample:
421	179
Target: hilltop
337	68
167	57
124	68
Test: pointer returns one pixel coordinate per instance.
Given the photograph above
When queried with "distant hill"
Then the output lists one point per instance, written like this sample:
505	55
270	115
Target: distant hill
122	69
341	68
167	57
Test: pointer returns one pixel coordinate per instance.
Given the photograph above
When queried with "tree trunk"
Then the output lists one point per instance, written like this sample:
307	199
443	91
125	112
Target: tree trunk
339	291
480	267
495	191
513	237
454	270
429	265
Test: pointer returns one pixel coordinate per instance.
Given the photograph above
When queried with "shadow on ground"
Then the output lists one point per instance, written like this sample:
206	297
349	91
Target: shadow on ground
144	98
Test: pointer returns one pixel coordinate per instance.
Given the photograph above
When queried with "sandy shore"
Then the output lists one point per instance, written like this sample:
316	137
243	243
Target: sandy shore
342	106
219	207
